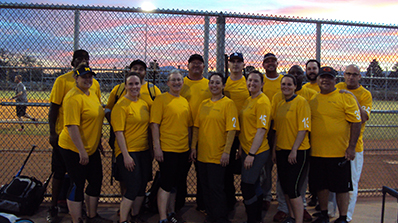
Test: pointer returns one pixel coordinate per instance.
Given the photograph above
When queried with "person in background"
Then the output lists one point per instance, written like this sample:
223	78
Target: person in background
312	68
352	77
292	119
80	143
61	87
254	119
195	90
214	131
21	97
272	85
130	121
236	90
170	121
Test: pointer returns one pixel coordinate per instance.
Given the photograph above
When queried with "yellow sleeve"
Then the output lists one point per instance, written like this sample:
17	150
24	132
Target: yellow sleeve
57	93
231	117
112	98
366	102
351	108
118	118
97	89
304	116
73	109
263	112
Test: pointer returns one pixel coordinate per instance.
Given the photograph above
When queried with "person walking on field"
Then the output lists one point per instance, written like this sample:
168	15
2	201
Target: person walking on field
20	96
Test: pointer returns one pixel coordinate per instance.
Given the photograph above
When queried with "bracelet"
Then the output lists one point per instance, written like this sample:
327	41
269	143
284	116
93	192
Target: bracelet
251	154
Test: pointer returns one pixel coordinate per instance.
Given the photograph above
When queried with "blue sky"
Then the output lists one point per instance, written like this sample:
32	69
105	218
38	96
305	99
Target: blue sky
369	11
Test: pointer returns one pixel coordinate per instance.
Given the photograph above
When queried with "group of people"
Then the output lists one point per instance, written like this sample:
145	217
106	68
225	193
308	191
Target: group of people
240	124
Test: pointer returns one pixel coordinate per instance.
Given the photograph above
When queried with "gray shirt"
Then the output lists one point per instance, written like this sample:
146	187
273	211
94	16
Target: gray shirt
21	98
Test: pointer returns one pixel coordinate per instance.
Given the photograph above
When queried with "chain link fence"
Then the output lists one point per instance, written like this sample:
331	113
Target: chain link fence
38	42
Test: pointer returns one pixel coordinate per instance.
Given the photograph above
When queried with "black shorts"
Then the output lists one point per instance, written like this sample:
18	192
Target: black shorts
92	172
137	179
58	164
172	169
333	174
292	177
21	110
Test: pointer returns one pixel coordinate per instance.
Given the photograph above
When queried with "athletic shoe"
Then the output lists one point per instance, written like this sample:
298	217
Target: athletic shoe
341	220
98	219
136	219
306	216
322	219
280	216
52	214
173	218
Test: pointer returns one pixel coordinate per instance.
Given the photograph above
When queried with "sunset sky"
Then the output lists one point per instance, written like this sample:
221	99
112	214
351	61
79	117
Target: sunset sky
369	11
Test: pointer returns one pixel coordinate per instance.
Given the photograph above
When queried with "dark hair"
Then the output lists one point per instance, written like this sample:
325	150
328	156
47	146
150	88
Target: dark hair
292	77
129	74
138	62
19	77
297	67
258	73
313	60
218	74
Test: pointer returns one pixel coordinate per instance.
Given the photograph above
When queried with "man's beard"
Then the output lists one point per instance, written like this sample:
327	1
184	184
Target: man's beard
311	78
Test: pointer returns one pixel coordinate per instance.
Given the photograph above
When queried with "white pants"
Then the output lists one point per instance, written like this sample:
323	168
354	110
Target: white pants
356	170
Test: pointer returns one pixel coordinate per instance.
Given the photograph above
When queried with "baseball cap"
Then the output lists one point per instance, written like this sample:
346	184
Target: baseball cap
236	55
139	62
195	57
79	53
327	70
269	55
84	70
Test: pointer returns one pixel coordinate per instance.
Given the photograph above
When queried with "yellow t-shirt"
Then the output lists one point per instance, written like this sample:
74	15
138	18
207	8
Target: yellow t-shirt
306	93
195	91
214	120
331	115
237	91
314	86
132	118
173	114
87	113
291	117
364	98
255	114
272	86
144	94
61	87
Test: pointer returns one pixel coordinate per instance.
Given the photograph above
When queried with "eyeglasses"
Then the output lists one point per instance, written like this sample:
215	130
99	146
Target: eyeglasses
351	74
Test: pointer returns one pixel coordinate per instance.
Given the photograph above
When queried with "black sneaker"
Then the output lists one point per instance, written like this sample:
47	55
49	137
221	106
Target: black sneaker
289	220
52	214
341	220
173	218
322	219
98	219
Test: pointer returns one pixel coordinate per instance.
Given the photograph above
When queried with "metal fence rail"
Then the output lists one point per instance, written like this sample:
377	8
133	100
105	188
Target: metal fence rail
38	41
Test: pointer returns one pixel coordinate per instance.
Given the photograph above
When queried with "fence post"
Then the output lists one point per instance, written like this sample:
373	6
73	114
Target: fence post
220	43
318	41
77	31
206	45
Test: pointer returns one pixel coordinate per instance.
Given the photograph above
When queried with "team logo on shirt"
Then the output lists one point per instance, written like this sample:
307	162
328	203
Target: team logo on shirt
263	119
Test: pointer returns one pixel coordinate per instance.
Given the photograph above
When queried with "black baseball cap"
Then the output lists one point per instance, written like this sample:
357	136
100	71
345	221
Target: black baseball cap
79	53
139	62
269	55
327	71
84	70
237	56
195	57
